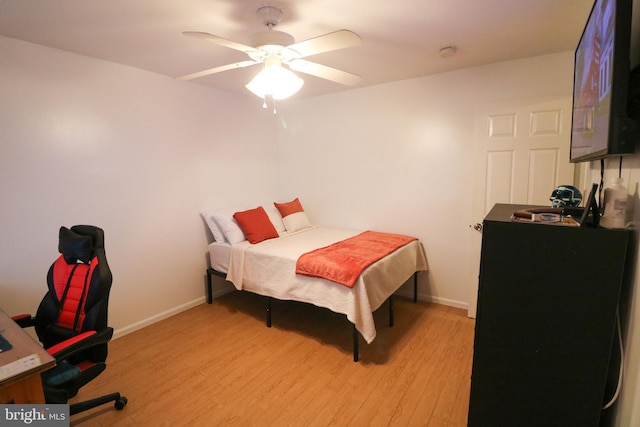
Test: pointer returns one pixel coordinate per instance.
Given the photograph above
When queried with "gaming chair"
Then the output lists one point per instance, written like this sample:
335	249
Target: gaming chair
71	321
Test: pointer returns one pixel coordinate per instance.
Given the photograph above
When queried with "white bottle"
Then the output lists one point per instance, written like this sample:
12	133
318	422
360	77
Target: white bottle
615	205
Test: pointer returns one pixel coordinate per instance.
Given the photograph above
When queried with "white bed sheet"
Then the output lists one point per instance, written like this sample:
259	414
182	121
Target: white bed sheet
268	268
220	255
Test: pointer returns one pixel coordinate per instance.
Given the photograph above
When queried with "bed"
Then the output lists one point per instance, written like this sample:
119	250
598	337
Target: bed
268	268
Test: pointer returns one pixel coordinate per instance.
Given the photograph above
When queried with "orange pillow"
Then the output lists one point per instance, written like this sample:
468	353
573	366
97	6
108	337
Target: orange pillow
256	225
293	215
289	208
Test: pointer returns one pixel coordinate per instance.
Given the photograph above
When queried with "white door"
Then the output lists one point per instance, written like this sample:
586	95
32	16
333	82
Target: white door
521	153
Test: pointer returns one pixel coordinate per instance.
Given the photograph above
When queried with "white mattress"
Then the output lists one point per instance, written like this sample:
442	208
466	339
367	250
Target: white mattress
219	255
268	268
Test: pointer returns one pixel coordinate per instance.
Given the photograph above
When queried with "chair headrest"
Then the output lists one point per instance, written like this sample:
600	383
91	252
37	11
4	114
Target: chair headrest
79	243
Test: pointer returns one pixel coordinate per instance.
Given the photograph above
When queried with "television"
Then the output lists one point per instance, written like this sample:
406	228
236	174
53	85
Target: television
601	126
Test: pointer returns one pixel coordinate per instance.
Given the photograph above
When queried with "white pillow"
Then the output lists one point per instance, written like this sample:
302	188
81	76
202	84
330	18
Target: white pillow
296	221
275	218
293	215
229	227
218	236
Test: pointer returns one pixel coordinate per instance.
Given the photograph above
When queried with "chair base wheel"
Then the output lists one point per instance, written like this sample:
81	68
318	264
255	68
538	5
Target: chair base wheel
121	403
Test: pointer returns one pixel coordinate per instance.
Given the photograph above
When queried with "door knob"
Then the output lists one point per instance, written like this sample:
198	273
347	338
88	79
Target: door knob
477	226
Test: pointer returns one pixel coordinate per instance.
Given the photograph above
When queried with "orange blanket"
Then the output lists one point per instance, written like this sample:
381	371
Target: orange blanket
342	262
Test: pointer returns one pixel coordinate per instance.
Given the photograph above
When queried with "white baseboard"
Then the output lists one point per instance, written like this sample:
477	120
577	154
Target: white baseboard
158	317
437	300
228	287
218	291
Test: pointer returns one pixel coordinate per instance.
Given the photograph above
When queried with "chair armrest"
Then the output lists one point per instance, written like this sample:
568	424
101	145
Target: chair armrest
82	341
24	320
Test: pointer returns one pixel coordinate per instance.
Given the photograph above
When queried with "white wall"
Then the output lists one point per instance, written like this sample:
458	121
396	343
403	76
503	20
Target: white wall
144	154
628	412
398	157
138	154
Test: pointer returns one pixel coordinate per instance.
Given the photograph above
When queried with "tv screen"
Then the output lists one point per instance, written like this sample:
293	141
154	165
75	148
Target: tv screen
601	77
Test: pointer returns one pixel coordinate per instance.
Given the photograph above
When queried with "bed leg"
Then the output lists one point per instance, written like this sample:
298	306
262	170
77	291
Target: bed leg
355	344
268	312
390	310
415	287
209	286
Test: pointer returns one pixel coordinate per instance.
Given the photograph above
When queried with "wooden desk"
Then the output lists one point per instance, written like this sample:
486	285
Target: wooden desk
24	387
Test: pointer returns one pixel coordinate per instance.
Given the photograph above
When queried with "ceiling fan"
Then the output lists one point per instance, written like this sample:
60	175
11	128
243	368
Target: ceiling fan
275	48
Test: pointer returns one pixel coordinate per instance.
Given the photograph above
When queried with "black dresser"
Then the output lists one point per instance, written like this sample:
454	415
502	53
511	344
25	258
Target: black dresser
546	321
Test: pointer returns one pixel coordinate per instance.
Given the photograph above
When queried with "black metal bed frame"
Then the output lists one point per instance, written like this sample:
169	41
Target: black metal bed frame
212	272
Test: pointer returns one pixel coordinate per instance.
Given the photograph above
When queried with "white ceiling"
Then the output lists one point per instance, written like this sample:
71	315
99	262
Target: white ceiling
401	38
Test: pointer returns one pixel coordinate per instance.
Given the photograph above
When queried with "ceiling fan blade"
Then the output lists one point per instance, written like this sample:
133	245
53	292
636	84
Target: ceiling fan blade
220	41
324	72
217	70
332	41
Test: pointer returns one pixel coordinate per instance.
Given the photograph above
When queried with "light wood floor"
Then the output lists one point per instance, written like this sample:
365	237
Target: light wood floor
220	365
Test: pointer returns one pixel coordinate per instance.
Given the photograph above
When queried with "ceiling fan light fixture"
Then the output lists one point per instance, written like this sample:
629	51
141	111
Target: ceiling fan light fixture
270	15
270	38
274	81
274	48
